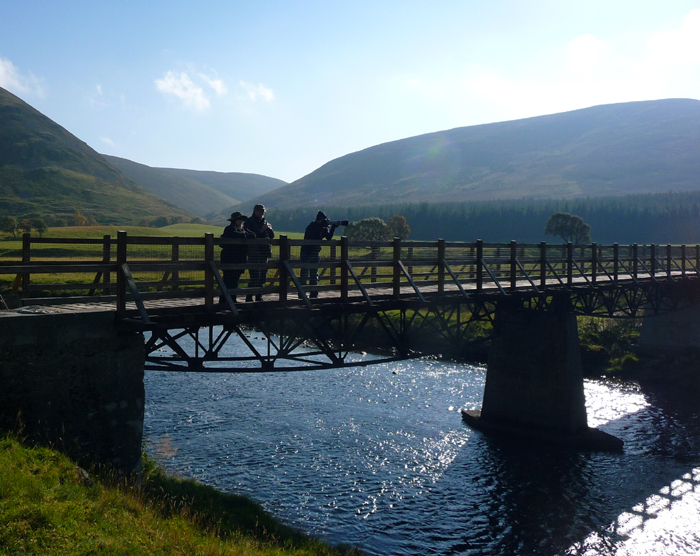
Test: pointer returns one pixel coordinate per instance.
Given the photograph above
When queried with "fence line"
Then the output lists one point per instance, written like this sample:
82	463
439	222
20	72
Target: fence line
127	267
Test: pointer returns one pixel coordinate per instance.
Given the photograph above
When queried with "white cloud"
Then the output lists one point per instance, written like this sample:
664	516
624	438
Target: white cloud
12	80
585	53
217	84
183	88
678	47
108	141
258	92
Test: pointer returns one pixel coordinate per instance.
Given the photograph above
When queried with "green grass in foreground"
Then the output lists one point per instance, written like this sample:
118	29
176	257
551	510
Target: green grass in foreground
47	506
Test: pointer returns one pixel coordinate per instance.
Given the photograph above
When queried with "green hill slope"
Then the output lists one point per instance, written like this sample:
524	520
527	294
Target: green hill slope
617	149
239	185
45	170
199	198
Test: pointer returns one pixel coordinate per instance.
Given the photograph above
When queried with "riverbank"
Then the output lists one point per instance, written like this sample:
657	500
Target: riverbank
48	505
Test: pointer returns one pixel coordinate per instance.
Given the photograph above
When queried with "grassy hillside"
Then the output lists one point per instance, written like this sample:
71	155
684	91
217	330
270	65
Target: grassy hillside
50	506
618	149
239	185
183	192
45	170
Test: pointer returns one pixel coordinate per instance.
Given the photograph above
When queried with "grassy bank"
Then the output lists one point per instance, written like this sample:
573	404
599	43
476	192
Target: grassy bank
50	506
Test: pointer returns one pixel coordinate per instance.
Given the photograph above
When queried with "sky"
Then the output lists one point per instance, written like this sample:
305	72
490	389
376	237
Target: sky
279	88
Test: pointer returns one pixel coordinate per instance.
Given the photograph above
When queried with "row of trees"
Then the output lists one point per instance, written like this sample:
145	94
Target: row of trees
11	225
659	218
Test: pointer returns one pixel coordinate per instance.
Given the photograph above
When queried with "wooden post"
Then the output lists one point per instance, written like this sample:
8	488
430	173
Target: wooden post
594	262
652	262
26	257
121	279
569	264
208	273
344	272
616	260
334	257
543	264
175	257
283	274
396	244
441	266
106	257
479	265
669	260
683	260
634	262
513	265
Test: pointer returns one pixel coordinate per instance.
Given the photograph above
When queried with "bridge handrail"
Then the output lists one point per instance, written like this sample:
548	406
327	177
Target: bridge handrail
173	266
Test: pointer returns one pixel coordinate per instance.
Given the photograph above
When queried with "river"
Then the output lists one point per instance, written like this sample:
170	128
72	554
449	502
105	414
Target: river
379	458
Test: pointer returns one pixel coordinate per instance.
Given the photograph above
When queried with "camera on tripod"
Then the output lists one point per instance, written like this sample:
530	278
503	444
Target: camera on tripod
339	222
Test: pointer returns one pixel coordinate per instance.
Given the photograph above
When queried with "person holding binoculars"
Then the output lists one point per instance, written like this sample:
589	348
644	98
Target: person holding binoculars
321	228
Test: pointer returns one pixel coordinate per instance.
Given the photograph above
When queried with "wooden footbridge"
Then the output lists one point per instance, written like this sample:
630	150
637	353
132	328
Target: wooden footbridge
100	311
170	288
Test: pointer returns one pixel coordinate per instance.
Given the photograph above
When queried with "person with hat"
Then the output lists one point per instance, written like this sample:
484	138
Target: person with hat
234	253
258	254
320	228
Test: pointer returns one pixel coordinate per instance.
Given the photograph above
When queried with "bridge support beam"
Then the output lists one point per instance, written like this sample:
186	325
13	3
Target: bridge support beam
534	381
71	382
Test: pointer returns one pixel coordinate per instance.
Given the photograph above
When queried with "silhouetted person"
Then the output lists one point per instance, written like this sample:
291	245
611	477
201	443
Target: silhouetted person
319	229
234	254
258	254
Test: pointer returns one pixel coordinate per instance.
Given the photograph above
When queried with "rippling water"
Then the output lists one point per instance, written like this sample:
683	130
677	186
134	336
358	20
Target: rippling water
378	457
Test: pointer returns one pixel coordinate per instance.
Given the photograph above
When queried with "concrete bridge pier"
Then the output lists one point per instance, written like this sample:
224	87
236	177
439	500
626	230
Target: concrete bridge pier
72	382
534	380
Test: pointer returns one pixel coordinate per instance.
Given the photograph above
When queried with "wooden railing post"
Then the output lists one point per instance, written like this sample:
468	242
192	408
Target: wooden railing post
543	264
121	279
479	265
208	273
669	260
513	265
283	274
106	258
344	272
441	266
697	257
634	261
683	260
594	262
396	244
652	262
616	261
175	257
334	257
569	264
26	257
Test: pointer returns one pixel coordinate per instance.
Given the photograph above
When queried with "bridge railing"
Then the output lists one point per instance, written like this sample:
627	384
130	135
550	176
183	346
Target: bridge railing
119	269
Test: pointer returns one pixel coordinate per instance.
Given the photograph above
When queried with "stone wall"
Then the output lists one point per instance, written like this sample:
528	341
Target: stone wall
70	381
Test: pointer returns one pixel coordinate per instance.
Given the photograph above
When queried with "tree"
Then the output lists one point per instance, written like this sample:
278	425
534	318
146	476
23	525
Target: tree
368	229
40	226
79	219
568	227
26	226
10	225
399	226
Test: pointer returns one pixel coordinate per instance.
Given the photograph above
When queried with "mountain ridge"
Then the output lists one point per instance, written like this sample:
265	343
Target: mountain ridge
618	149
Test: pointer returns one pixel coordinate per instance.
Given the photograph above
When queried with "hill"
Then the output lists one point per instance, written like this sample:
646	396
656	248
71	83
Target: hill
47	171
199	192
616	149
